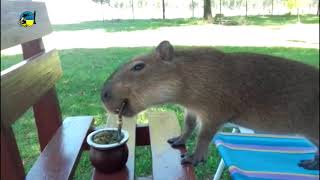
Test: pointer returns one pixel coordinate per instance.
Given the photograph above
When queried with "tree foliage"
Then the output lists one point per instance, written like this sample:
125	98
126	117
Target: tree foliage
102	1
296	4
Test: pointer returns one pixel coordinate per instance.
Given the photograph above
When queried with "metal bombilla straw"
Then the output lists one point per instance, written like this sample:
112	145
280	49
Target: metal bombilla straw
120	119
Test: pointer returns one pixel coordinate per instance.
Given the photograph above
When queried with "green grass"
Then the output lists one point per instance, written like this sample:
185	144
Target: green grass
84	73
133	25
127	25
269	20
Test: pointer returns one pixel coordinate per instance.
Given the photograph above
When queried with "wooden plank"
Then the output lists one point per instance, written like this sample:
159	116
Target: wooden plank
165	159
12	33
11	163
32	48
127	173
24	83
47	110
47	116
142	135
58	160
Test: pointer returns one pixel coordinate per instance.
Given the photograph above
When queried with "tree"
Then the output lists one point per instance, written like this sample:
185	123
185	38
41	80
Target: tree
291	4
192	7
220	12
220	7
163	10
101	3
207	15
246	8
318	8
132	8
296	4
272	7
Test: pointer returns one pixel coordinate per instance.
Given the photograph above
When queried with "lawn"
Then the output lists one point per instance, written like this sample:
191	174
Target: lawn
269	20
142	24
127	25
84	73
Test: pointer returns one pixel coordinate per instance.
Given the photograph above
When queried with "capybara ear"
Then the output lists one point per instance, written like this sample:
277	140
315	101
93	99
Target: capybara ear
164	51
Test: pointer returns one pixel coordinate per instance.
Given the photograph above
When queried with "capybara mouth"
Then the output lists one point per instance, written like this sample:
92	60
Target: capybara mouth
121	110
125	109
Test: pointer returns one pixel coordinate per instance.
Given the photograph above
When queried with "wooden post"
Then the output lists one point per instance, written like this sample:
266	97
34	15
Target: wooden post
11	163
32	48
46	110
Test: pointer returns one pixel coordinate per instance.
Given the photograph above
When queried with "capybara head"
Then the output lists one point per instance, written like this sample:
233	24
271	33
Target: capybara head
144	81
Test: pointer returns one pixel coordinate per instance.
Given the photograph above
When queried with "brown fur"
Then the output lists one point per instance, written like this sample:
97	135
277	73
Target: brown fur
261	92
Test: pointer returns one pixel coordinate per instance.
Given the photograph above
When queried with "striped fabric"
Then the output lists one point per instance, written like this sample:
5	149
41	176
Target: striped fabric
264	156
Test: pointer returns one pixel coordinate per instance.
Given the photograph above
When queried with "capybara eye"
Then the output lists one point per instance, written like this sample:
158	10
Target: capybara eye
138	67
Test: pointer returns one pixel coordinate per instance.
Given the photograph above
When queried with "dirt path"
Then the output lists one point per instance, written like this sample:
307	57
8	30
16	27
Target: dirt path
300	35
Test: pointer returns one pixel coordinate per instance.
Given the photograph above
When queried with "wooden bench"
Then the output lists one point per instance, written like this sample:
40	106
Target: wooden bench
31	83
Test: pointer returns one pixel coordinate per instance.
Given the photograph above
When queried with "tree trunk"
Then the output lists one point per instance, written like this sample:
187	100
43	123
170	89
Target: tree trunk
318	8
220	12
246	8
298	15
102	11
272	7
207	15
220	7
132	8
163	10
192	5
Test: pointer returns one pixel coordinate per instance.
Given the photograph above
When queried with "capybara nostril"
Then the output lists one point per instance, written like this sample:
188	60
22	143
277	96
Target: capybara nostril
106	95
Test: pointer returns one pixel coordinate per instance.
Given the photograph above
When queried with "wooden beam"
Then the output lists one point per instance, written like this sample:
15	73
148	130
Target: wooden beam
11	163
47	110
32	48
60	157
12	33
23	84
142	135
47	116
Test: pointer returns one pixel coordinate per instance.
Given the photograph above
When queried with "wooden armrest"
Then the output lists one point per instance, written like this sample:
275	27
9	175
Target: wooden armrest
129	124
59	158
165	159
